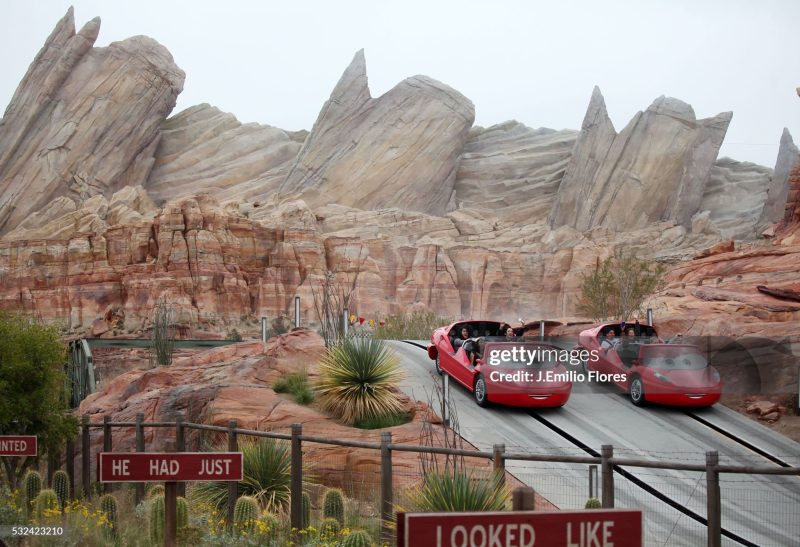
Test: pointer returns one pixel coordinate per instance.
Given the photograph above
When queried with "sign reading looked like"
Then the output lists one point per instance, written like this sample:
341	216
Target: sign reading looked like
18	445
589	528
169	467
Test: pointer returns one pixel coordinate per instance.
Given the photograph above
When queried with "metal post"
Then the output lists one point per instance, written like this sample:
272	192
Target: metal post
541	329
296	311
446	399
345	321
71	468
499	461
180	446
650	316
233	486
264	335
139	492
296	496
607	470
592	481
713	505
386	487
523	498
171	514
107	445
85	457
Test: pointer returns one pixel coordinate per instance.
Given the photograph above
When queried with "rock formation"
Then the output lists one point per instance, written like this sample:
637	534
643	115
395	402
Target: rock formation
399	150
84	121
778	191
735	195
654	169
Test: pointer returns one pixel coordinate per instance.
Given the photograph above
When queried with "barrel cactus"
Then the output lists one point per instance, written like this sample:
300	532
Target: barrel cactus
333	505
47	500
272	524
593	503
245	513
157	520
182	512
155	490
108	505
358	538
306	505
329	528
61	487
33	485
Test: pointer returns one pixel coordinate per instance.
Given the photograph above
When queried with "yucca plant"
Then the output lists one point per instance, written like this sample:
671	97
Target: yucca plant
461	491
267	477
357	380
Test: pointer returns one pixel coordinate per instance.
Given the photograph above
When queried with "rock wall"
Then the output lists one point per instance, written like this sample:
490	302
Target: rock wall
399	150
84	121
778	191
655	169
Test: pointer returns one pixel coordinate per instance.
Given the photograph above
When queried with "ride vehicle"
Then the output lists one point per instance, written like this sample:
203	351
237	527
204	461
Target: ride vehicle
512	371
648	369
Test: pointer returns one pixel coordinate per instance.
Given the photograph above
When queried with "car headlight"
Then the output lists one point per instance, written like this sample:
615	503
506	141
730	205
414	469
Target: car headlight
661	377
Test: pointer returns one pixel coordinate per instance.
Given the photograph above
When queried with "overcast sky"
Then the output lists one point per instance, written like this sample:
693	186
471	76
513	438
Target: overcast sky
536	62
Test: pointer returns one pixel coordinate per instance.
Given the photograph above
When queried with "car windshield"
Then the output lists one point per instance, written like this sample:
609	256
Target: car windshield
521	356
673	357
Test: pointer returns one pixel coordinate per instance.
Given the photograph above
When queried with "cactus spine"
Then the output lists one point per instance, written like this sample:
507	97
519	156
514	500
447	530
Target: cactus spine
155	490
329	528
273	524
306	510
47	500
333	505
593	503
245	513
359	538
61	487
108	505
157	520
182	512
33	485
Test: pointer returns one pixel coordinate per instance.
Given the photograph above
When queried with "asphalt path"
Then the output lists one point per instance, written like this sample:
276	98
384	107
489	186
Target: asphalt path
763	509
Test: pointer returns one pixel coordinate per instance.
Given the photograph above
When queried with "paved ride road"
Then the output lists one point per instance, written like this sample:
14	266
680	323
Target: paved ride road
762	509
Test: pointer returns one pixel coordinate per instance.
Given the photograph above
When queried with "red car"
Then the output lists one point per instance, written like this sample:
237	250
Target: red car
649	369
521	372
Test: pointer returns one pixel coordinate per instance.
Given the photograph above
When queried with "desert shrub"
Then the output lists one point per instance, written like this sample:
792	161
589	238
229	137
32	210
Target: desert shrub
297	385
411	326
233	335
358	380
618	286
385	420
461	491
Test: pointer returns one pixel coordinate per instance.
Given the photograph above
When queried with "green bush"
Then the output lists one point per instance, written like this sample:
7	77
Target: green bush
267	477
297	385
358	380
233	336
459	491
414	326
387	420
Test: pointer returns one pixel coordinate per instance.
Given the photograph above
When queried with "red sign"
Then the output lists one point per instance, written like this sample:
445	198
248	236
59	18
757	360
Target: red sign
168	467
18	445
590	528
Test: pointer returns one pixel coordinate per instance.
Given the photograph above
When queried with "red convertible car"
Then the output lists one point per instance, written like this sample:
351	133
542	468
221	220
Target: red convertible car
513	371
649	369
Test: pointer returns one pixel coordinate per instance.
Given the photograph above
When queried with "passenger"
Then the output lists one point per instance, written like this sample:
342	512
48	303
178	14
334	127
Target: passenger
609	342
637	327
462	337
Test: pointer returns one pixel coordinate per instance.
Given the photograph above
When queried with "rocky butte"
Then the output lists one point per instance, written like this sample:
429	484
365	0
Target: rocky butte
109	201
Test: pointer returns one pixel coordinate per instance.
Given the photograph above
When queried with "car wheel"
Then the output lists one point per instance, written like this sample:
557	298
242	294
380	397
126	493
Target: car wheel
480	391
438	366
637	391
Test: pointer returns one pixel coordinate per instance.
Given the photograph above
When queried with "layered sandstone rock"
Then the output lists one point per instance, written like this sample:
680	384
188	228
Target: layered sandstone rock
399	150
205	150
654	169
84	121
778	191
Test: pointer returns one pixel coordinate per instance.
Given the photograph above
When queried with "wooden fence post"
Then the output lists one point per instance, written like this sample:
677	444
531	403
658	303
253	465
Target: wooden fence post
713	505
107	445
170	513
499	462
233	486
180	446
86	443
387	501
139	492
523	498
607	471
296	500
70	463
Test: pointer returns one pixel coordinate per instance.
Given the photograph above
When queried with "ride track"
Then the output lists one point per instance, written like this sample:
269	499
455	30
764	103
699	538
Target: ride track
584	424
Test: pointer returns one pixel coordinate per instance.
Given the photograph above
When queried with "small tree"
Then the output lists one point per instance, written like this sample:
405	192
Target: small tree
332	297
33	396
163	335
618	286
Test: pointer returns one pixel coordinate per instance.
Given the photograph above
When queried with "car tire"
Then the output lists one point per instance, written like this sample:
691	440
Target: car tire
479	392
438	365
637	391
